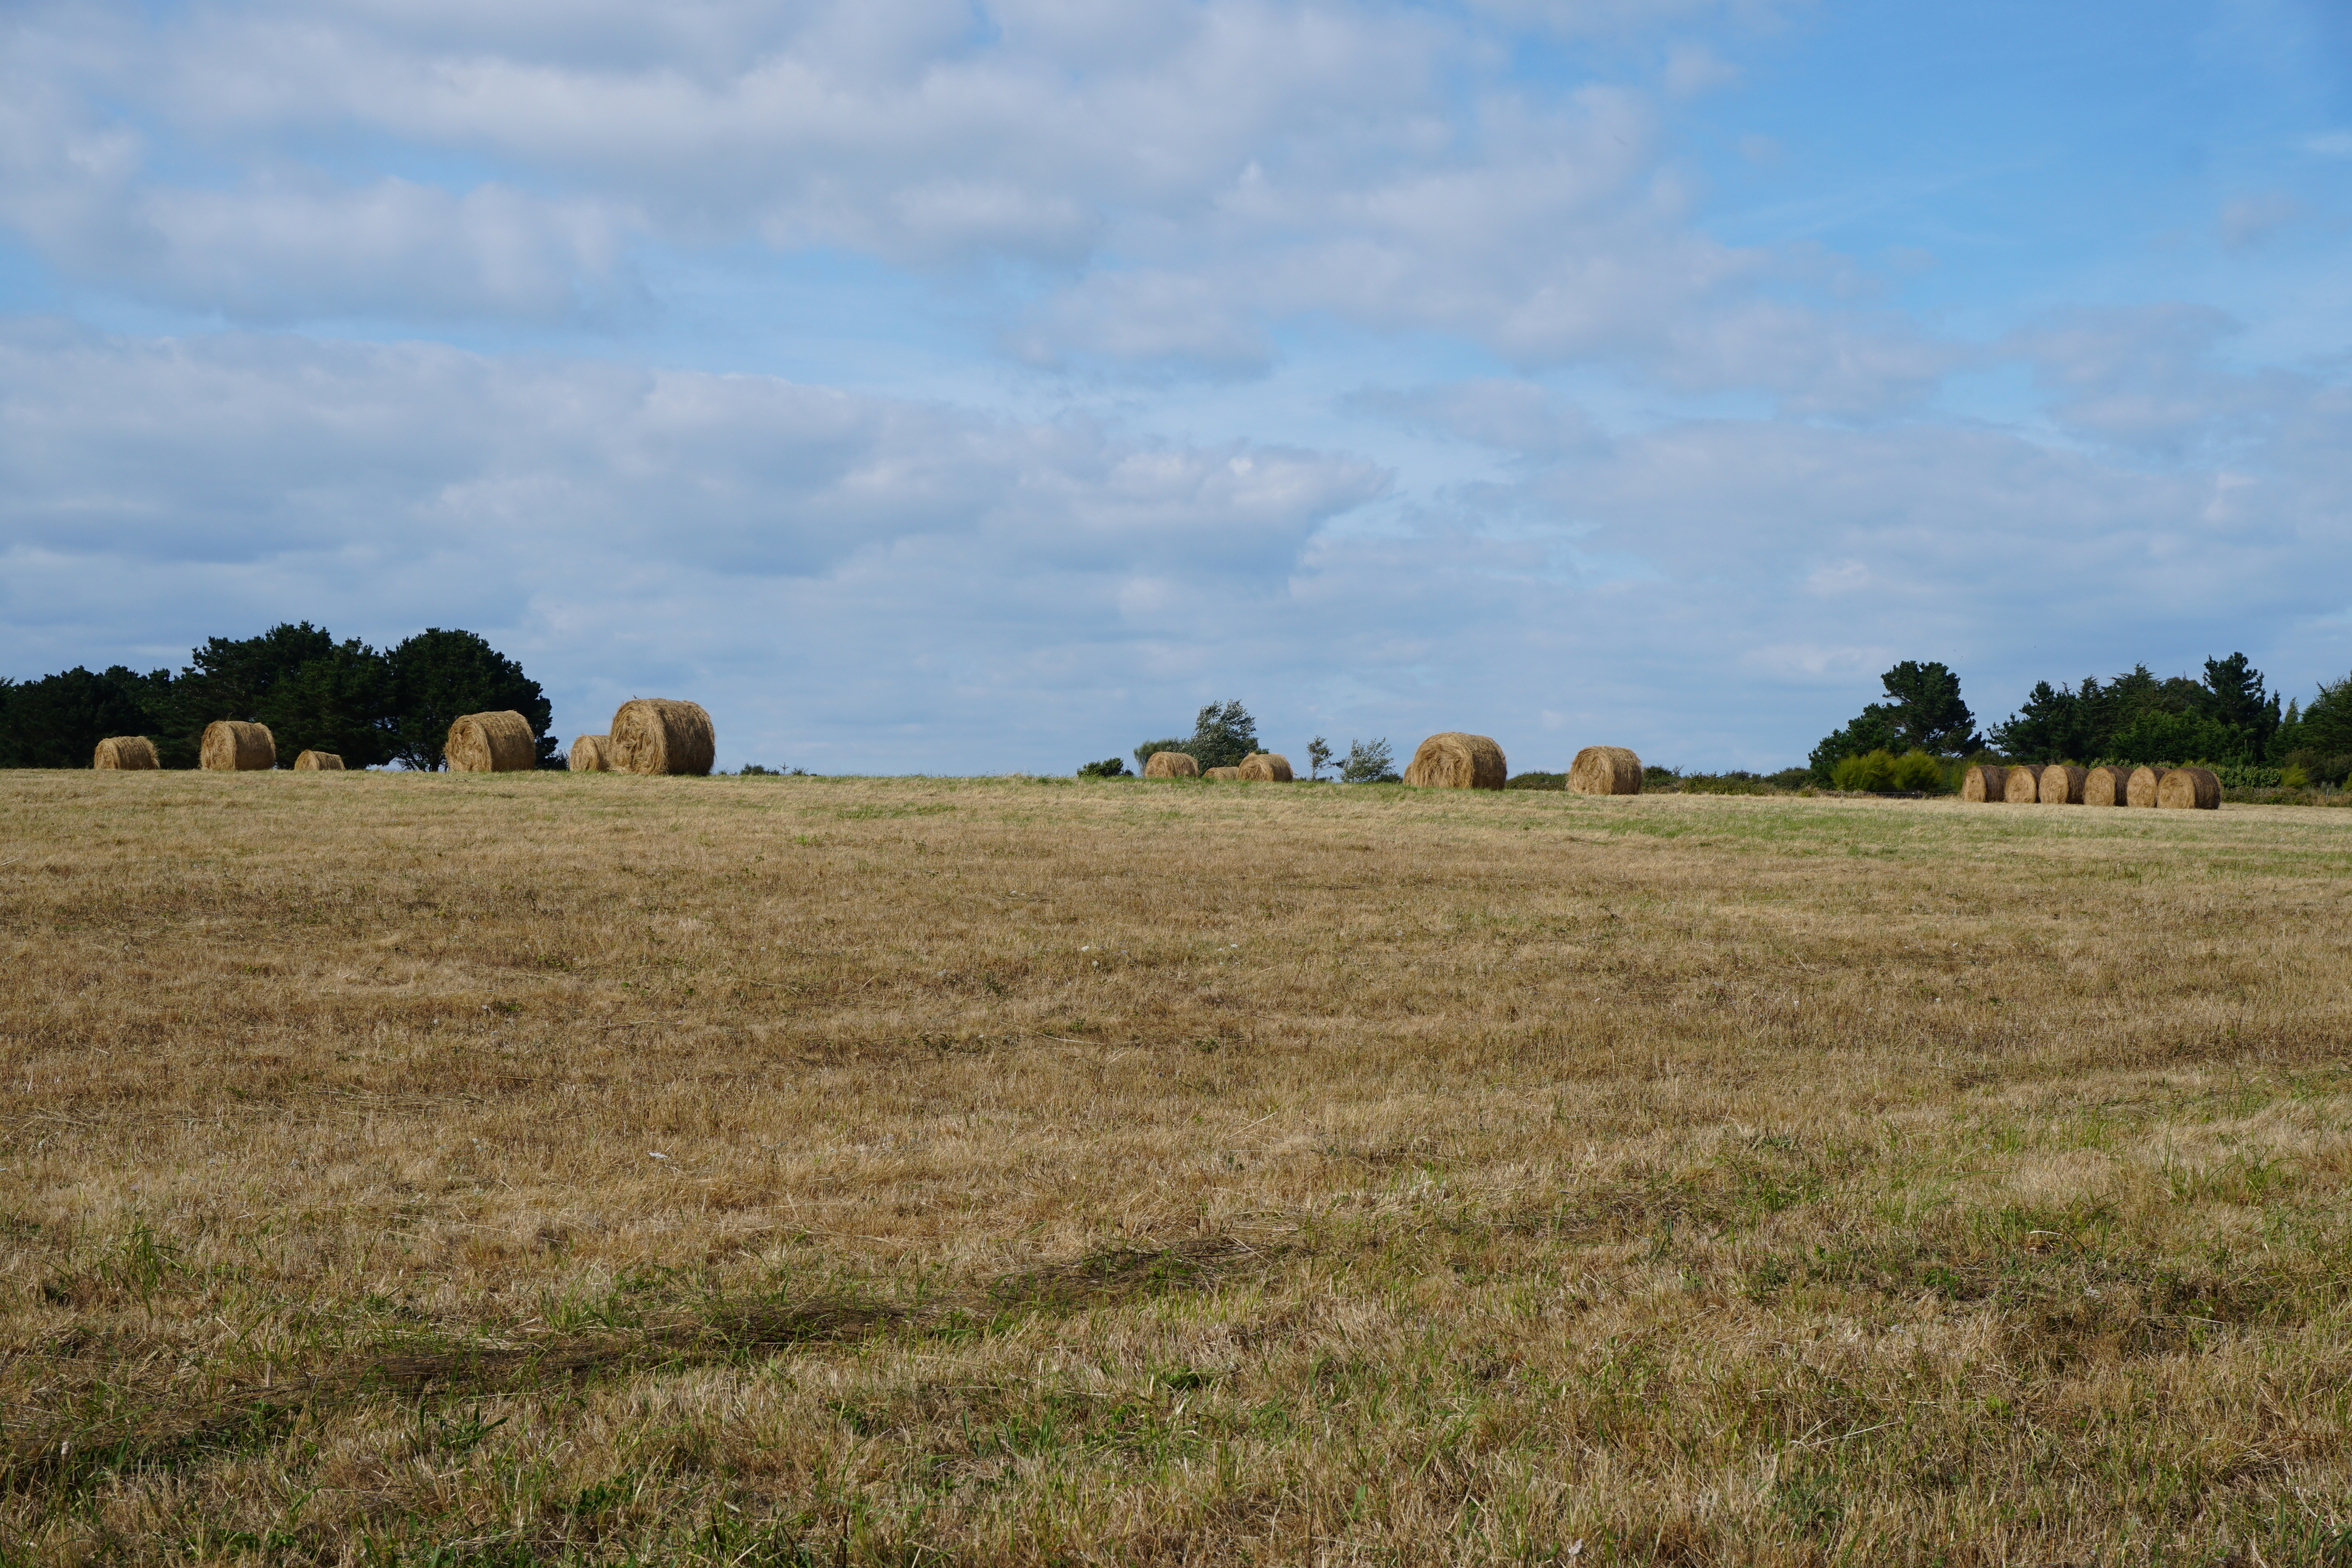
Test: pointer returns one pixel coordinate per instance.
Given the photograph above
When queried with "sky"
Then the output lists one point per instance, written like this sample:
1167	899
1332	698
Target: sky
976	386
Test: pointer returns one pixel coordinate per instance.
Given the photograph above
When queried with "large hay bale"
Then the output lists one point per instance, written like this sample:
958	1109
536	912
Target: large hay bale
1457	761
1266	767
1233	775
1173	765
2023	786
591	754
2141	790
660	735
1605	770
2108	787
232	746
2189	789
2061	784
1986	783
319	762
129	752
491	743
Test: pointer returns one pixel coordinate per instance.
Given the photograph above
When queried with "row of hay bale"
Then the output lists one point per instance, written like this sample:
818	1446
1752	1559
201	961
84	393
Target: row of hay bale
649	734
2060	784
1452	760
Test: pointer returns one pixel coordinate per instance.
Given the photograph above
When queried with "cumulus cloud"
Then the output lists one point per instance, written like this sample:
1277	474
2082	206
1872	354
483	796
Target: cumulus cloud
1177	182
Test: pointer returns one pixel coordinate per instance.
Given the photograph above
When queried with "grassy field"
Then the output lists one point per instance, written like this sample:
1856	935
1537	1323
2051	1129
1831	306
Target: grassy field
545	1168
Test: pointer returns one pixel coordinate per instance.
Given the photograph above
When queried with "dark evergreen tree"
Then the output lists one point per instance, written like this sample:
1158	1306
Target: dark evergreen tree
1924	714
437	677
1223	734
58	720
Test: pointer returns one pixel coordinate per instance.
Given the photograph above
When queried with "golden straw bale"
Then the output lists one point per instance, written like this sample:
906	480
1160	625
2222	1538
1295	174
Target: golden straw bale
591	754
232	746
660	735
491	743
2023	786
1457	761
1605	770
1233	774
1266	767
2061	784
2189	789
1171	764
2108	787
1987	782
319	762
2141	791
125	751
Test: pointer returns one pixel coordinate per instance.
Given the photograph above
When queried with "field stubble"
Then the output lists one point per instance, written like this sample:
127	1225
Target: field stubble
544	1167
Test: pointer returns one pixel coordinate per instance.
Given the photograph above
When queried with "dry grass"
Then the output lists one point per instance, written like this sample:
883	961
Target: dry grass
1450	1177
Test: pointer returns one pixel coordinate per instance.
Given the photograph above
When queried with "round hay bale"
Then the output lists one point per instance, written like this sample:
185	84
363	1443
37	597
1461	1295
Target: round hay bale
1987	784
2189	789
1231	774
491	743
2061	784
1266	767
1605	770
1457	761
232	746
1171	764
2108	787
319	762
2023	786
591	754
2141	790
660	735
128	752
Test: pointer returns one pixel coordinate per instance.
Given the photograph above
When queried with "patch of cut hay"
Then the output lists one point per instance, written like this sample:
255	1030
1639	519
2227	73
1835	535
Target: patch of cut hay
2141	790
232	746
1454	760
1266	767
2108	787
129	752
591	754
2061	784
491	743
1605	770
1233	774
1986	783
1171	764
660	735
2189	789
2023	786
319	762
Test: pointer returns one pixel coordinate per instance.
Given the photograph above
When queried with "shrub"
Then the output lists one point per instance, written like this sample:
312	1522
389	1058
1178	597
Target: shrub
1914	769
1535	781
2295	777
1870	771
1108	768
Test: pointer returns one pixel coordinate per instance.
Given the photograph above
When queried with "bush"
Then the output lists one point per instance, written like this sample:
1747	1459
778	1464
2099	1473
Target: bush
1869	772
1108	768
1914	769
2295	777
1535	781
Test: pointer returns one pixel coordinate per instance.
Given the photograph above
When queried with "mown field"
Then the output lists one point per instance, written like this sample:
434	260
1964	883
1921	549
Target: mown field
542	1168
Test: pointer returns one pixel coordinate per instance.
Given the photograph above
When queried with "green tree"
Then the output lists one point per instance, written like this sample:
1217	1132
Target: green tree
1318	757
1924	712
437	677
1369	762
1223	734
57	720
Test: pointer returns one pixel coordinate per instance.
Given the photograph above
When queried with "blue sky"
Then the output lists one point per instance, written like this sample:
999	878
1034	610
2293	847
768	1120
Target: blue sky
933	385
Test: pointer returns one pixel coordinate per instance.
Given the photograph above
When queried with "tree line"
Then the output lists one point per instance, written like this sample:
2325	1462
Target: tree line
371	707
2230	718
